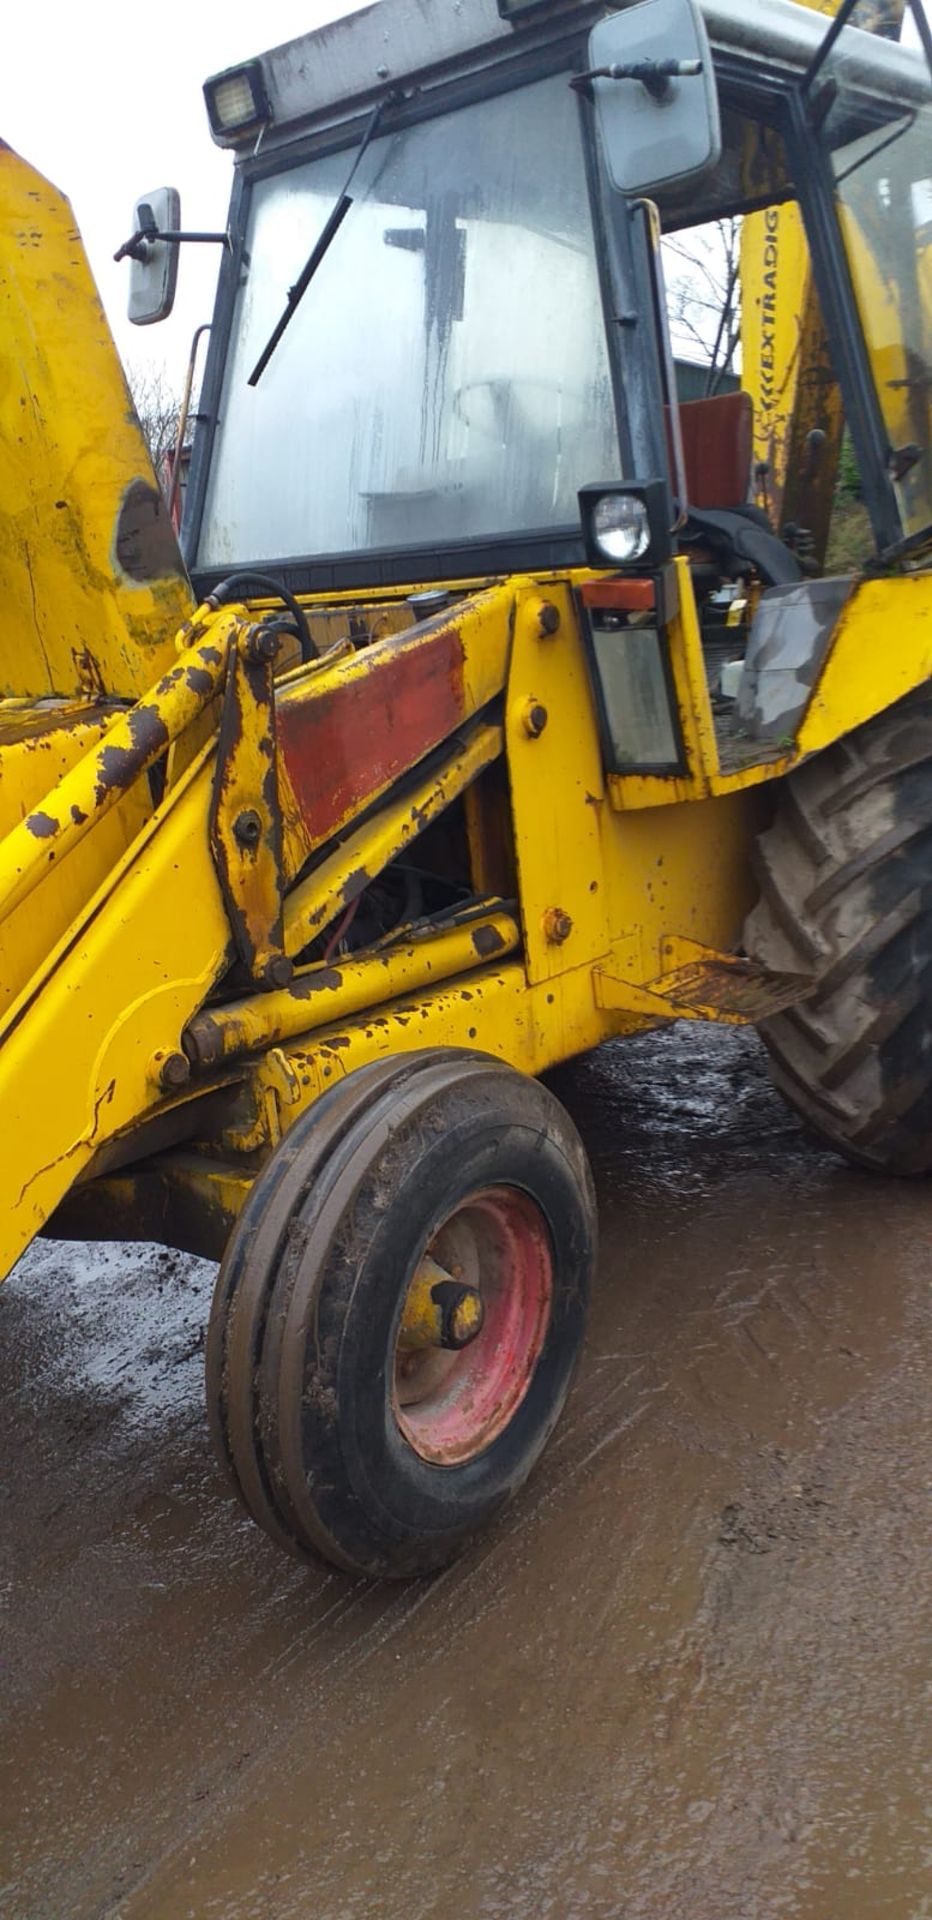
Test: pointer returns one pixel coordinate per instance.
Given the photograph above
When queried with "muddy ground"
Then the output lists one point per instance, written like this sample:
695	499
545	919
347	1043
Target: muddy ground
685	1678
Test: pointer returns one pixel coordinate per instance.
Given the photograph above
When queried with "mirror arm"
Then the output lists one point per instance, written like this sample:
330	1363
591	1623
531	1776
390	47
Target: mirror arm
655	75
138	244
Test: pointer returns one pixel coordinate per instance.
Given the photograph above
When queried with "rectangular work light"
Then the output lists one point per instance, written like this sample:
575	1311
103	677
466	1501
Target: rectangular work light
237	99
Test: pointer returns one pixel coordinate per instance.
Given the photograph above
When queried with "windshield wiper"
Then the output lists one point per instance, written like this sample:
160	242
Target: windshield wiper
320	248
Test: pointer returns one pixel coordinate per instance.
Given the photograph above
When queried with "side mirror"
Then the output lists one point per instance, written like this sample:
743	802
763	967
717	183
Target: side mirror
153	260
655	95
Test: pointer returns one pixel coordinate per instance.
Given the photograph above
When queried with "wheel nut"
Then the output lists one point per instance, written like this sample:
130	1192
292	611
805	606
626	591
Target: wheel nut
557	926
535	719
247	828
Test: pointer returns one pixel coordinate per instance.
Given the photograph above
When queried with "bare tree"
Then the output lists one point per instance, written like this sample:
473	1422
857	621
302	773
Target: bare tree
702	271
158	408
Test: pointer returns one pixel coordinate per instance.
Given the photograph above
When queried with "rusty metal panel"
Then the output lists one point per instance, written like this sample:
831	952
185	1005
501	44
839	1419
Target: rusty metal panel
345	738
730	988
245	820
346	872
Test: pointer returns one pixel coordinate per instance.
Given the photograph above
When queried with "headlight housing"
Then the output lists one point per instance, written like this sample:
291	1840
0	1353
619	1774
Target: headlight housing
237	100
620	527
627	526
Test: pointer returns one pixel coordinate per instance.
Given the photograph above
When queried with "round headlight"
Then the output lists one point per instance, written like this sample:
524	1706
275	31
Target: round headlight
620	527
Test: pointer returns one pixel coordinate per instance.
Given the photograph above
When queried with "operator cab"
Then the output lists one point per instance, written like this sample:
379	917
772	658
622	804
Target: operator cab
445	324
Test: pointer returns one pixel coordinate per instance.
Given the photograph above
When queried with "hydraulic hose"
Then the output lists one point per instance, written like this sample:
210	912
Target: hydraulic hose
228	589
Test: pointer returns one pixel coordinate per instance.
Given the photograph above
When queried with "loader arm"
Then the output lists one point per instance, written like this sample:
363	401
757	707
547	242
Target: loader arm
207	881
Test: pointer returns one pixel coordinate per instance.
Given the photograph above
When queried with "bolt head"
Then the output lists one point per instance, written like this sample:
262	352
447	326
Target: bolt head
535	719
557	926
247	827
278	971
173	1070
263	644
548	618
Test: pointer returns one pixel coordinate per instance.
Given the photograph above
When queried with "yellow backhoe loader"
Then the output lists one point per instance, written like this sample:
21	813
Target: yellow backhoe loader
405	776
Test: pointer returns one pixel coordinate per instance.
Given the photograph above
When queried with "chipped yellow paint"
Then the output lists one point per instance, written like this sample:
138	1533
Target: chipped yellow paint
881	650
74	1061
780	325
557	787
32	850
76	620
110	958
321	994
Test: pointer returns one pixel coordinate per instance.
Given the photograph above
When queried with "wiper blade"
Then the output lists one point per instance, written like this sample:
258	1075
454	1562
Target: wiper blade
321	246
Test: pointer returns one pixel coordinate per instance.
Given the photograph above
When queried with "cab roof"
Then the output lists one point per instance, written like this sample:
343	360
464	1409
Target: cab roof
337	71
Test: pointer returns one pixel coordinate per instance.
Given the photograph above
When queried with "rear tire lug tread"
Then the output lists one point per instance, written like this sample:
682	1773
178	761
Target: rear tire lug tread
823	1048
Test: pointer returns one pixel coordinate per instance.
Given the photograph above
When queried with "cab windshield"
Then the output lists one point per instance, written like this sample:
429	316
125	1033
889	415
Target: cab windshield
445	377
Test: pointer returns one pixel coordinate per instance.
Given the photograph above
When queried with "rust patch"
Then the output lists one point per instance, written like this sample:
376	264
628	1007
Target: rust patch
119	766
487	940
145	543
354	884
39	726
320	916
248	863
42	825
344	745
88	674
733	987
199	680
78	816
324	980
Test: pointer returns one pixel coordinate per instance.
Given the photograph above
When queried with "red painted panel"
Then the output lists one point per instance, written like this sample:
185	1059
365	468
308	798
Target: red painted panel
344	746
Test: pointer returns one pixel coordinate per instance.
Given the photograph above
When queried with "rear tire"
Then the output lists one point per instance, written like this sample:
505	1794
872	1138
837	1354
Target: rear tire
845	874
335	1443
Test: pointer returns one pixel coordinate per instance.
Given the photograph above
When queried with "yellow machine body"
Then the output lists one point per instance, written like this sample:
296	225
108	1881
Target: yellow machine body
185	808
143	1075
785	357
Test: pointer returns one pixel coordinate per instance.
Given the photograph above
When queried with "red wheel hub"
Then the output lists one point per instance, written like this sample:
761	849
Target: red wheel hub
451	1406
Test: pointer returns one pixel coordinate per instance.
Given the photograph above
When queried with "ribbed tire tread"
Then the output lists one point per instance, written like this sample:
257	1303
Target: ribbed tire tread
845	877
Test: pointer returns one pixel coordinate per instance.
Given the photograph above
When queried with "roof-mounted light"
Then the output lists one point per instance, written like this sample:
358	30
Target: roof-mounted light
237	100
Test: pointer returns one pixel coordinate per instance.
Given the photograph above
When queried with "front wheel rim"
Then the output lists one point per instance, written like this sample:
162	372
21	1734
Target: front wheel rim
450	1407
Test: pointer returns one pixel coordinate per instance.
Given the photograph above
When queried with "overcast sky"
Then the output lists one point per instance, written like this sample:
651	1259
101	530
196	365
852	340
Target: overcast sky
105	100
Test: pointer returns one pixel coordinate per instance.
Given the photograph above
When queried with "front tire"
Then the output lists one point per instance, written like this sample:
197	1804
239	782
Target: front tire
845	874
339	1440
